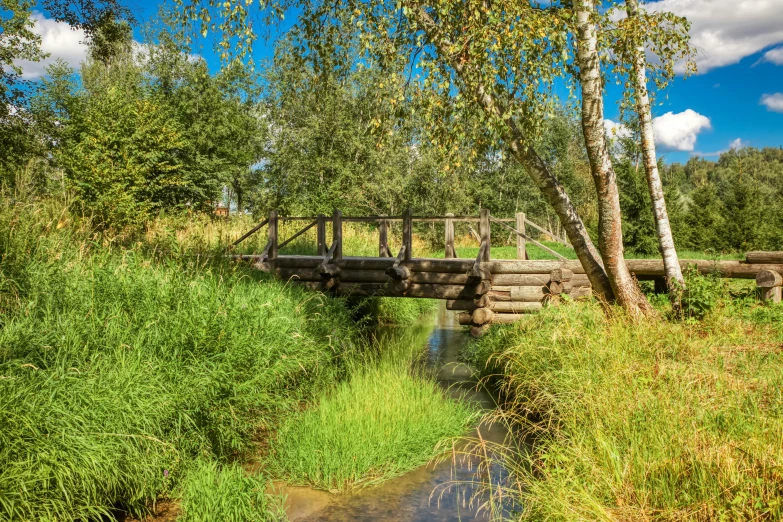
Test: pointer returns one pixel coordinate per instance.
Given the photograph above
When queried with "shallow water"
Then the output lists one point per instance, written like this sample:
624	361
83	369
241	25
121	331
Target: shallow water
428	493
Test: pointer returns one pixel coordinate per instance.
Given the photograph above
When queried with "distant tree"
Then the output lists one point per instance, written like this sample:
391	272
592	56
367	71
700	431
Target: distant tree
218	114
119	149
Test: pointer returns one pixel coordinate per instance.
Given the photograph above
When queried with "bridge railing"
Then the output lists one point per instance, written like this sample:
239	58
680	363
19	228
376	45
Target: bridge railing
335	248
452	278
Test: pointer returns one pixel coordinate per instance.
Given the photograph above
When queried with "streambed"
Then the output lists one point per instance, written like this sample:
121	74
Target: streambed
428	493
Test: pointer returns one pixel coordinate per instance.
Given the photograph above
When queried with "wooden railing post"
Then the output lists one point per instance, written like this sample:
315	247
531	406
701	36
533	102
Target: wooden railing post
770	285
485	233
521	246
407	233
383	239
273	234
321	235
337	234
449	239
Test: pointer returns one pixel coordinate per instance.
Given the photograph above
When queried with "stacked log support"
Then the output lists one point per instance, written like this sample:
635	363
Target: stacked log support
480	276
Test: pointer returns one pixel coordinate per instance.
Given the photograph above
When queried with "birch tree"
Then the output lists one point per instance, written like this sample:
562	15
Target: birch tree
634	53
624	286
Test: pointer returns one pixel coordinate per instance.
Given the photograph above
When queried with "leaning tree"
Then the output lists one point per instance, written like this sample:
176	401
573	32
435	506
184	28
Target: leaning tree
502	59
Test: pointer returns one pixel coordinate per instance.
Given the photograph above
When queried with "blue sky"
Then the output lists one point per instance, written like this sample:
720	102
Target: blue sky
735	100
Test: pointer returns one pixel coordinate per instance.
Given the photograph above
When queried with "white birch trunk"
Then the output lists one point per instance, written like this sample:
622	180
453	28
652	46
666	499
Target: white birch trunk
671	262
610	235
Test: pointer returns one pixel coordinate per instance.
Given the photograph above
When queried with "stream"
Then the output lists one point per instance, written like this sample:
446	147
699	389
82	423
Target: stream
427	493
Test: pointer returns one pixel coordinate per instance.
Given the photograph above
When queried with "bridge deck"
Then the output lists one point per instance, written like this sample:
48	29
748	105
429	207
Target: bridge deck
487	290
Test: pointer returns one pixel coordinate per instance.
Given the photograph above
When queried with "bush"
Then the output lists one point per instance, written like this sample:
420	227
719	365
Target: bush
702	293
383	421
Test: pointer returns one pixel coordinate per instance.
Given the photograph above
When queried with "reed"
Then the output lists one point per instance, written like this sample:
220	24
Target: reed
386	419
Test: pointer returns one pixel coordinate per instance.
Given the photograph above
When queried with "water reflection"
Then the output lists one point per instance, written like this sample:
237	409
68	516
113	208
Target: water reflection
429	493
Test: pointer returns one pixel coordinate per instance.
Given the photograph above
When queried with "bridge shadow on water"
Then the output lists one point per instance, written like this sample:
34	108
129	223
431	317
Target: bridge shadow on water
442	492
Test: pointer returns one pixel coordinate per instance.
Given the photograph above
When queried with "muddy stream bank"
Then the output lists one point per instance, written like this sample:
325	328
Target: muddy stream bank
428	493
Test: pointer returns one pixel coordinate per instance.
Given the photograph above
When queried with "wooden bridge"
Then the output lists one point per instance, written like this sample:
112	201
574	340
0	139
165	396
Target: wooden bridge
485	290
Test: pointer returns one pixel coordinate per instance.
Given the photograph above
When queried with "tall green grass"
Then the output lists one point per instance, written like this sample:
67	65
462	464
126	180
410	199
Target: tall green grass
117	370
386	419
642	420
228	494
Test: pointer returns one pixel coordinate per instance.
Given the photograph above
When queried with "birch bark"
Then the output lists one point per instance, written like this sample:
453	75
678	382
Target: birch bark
517	144
671	263
610	235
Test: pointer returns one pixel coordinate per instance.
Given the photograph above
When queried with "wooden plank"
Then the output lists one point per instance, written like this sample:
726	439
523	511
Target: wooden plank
530	294
455	292
456	266
764	258
461	304
378	219
475	234
272	234
439	278
520	279
771	294
769	279
305	229
515	307
512	266
728	269
486	239
383	239
521	250
449	238
321	235
251	232
337	234
505	318
482	316
407	234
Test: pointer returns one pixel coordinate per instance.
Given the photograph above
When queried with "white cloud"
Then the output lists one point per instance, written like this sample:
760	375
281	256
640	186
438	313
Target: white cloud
672	131
616	130
774	56
773	102
679	131
737	144
725	31
60	41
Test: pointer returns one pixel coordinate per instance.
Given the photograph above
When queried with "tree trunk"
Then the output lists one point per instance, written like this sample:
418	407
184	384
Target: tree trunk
547	182
610	234
674	279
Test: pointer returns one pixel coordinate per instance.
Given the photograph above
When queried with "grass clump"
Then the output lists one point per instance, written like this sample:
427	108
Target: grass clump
644	420
119	369
385	420
228	494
